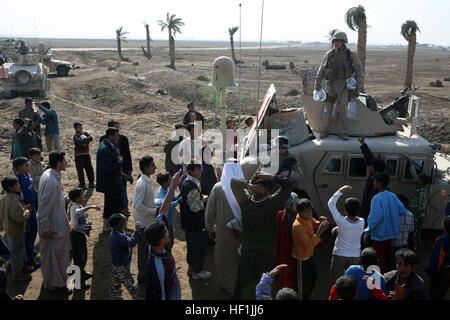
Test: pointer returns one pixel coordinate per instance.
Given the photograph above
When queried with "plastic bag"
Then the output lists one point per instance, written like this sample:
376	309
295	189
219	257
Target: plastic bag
351	83
319	95
352	109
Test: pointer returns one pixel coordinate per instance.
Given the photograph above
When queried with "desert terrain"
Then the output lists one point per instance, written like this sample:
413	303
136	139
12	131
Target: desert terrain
97	93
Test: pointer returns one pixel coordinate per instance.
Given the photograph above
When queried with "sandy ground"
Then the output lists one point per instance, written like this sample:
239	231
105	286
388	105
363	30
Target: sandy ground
94	95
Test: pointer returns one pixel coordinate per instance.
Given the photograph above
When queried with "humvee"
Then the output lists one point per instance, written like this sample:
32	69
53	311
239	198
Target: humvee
25	74
331	163
61	67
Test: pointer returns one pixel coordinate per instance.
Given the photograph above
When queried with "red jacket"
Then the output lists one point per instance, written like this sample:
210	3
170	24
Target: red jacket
377	292
283	255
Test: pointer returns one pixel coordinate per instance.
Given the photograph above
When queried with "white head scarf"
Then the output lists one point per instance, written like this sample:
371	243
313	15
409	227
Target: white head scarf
231	170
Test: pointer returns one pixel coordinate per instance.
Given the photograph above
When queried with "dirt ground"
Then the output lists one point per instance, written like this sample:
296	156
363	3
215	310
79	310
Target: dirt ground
94	94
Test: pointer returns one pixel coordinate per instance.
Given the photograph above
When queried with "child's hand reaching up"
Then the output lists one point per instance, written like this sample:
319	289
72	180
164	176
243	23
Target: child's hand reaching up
277	269
344	189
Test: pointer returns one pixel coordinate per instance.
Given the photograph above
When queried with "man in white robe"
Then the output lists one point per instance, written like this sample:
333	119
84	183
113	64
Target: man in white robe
53	225
221	208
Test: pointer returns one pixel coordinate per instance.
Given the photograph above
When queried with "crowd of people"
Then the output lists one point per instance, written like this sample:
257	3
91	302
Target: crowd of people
264	230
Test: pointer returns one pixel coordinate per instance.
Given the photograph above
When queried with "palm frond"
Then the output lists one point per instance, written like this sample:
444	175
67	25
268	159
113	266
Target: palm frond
331	34
233	30
355	16
409	28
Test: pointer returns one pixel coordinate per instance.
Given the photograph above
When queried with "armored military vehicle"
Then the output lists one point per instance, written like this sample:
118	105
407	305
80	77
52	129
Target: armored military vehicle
61	67
331	162
25	74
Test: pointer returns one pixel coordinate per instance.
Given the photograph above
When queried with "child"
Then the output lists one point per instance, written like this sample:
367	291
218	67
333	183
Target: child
383	222
264	288
347	247
283	254
79	228
161	281
406	229
82	157
304	243
367	267
439	268
28	195
164	180
120	245
346	288
404	283
14	215
36	169
192	218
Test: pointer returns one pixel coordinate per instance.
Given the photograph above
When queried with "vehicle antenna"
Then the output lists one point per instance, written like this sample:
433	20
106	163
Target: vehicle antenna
239	65
260	45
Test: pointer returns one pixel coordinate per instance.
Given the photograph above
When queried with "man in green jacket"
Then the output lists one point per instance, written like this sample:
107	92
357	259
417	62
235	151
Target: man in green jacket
259	208
418	200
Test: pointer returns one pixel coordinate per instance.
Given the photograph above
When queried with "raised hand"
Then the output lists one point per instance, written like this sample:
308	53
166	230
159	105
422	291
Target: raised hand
345	188
277	269
362	140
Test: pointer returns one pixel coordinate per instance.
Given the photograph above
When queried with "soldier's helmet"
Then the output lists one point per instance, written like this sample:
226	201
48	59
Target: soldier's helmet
340	36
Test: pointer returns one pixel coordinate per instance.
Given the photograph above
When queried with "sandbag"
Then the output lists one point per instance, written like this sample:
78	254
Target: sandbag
292	124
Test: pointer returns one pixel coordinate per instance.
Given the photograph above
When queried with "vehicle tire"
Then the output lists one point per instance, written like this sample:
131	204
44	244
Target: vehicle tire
62	71
23	77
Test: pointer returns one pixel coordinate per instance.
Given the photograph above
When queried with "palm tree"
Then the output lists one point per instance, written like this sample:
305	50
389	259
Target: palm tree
356	20
331	33
408	31
147	31
120	35
173	25
232	31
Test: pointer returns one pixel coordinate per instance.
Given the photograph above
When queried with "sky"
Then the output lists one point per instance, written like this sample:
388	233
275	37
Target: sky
293	20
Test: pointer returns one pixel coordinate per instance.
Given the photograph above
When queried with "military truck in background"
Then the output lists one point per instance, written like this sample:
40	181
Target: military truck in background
61	67
26	74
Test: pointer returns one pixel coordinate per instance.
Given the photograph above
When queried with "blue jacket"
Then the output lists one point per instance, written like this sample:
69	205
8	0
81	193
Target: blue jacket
159	198
109	179
120	245
383	221
364	292
264	287
27	190
50	119
440	257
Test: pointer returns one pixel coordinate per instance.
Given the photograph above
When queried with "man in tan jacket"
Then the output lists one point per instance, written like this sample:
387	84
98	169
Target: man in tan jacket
337	66
14	215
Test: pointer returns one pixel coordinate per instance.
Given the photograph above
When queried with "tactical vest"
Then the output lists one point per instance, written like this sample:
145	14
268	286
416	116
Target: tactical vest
339	65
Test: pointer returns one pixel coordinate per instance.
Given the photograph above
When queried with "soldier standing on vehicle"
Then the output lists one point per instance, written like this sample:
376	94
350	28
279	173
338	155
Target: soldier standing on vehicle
338	65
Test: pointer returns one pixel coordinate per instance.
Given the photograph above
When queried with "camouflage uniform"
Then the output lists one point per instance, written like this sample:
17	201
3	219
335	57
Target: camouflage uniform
338	65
